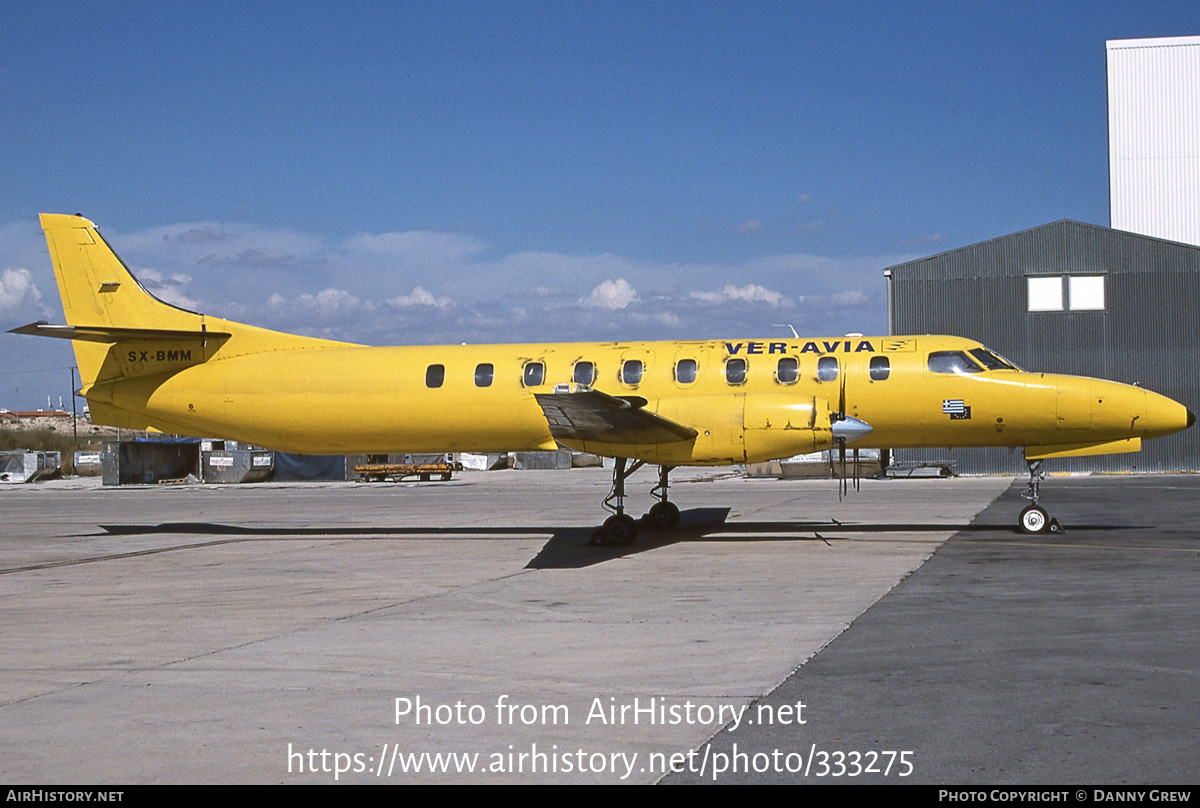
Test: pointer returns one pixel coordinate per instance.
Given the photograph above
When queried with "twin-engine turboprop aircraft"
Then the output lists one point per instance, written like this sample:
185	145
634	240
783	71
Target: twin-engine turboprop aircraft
146	364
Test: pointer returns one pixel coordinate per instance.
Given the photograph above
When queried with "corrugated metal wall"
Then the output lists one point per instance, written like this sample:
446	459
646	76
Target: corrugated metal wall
1148	333
1154	137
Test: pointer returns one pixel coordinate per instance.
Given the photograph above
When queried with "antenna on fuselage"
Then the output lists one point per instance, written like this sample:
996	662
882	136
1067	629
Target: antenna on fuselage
789	326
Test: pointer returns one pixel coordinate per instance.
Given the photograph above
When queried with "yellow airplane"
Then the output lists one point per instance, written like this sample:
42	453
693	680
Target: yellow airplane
146	364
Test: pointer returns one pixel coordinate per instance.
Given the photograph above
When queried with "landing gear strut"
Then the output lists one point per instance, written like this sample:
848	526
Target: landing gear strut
1034	518
663	514
620	529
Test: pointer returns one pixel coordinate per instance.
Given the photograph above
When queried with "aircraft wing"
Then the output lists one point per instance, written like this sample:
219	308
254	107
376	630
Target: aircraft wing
583	414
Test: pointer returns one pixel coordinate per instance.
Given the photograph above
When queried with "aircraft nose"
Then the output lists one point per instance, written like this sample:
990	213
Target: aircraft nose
1165	416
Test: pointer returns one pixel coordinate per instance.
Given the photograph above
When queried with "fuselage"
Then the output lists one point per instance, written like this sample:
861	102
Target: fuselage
747	400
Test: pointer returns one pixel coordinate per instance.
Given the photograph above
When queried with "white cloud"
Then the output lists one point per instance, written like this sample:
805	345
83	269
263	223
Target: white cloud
851	297
750	293
345	288
420	297
611	295
416	245
324	304
17	291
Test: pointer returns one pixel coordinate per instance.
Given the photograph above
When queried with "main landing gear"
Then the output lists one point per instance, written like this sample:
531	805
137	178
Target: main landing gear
1034	518
620	529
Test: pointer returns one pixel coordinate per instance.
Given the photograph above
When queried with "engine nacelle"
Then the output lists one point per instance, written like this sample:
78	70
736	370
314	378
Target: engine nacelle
781	425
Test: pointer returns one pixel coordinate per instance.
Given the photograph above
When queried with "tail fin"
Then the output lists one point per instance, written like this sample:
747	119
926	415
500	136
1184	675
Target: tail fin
97	289
106	307
121	331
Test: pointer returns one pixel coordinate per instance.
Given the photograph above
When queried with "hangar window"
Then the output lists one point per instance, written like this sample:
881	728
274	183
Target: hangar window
1086	292
585	372
1066	292
880	368
435	375
1045	294
788	370
952	362
631	371
535	374
483	374
735	371
827	369
685	371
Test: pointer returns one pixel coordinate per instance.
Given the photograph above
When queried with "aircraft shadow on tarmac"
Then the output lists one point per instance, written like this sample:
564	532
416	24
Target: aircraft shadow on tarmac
571	547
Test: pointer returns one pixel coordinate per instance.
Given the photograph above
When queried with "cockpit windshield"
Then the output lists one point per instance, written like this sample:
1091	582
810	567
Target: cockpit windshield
976	360
992	361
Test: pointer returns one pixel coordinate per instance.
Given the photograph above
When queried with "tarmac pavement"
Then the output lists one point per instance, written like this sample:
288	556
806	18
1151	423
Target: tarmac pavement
320	632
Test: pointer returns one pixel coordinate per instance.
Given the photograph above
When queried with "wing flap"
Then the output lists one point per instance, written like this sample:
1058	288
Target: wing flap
581	414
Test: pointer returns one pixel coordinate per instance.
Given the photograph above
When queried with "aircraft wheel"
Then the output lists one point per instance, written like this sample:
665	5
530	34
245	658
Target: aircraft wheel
620	531
663	515
1034	520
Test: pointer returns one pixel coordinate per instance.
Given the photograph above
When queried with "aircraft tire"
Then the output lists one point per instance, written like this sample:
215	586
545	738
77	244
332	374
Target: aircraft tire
619	531
663	516
1034	519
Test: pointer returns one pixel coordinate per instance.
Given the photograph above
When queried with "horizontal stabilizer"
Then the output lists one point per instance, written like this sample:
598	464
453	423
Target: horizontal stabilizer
111	334
587	415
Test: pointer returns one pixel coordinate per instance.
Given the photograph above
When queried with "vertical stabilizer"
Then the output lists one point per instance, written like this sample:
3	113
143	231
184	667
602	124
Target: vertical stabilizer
97	289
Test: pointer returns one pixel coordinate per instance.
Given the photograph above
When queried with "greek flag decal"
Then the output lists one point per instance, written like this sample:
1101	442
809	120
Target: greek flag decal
956	409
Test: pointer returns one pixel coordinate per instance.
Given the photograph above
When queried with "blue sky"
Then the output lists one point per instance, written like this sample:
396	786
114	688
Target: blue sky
395	173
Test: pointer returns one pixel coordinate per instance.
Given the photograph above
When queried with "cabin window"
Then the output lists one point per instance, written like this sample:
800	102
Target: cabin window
685	371
735	371
484	372
788	370
952	362
435	375
535	374
880	368
631	371
585	373
827	369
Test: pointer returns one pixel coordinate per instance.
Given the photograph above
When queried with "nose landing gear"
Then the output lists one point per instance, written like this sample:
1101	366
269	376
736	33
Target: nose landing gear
1034	518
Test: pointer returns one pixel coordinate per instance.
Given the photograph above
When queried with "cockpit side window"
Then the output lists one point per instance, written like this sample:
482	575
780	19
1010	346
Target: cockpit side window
952	362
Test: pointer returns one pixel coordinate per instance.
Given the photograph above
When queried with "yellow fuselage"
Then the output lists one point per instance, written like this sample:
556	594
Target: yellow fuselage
341	399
